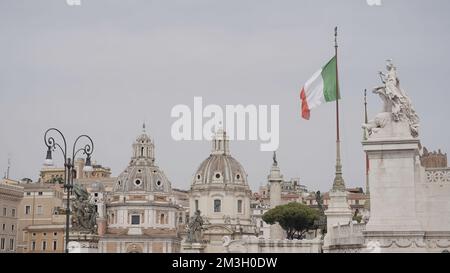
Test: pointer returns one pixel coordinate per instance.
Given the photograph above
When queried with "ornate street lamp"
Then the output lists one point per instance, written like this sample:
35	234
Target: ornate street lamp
68	165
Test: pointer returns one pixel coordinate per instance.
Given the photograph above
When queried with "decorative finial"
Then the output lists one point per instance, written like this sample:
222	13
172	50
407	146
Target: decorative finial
335	36
275	162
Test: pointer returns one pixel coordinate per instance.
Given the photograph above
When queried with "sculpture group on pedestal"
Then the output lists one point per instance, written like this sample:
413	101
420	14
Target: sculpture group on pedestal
397	105
84	214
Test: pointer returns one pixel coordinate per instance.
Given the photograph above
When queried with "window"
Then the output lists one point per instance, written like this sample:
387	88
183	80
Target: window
3	227
40	193
45	234
239	206
2	244
261	224
33	245
356	202
162	218
44	245
137	182
196	205
28	193
217	205
11	244
55	234
12	227
135	219
34	234
27	209
40	210
13	212
142	151
55	244
96	194
4	211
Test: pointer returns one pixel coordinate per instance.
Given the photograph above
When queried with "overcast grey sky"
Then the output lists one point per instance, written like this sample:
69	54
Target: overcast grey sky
104	67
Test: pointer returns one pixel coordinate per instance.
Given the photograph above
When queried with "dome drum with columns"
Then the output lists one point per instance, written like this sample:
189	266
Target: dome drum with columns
221	192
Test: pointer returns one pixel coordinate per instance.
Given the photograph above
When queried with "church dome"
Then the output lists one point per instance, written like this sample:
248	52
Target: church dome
220	167
142	175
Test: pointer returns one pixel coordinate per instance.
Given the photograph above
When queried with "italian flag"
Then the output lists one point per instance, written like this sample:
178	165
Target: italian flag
321	88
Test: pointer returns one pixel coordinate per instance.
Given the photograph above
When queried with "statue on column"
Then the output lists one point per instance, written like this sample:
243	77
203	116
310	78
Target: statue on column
397	105
275	162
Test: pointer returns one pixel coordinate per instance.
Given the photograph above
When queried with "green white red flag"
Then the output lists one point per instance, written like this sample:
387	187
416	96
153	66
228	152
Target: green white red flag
319	89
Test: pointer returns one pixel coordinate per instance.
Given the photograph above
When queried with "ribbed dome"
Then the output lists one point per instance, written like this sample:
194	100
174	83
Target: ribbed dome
142	178
220	169
220	166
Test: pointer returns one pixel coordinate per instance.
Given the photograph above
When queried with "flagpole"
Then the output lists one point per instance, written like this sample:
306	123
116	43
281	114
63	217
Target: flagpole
338	184
366	120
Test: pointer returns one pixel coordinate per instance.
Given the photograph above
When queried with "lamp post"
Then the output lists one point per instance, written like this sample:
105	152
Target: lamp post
68	165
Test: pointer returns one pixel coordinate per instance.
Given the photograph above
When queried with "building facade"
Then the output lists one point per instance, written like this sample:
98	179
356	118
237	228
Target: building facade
11	194
55	175
41	219
434	159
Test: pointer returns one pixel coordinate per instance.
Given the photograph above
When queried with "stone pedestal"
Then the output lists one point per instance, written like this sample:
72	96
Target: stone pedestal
394	173
338	213
192	247
392	184
83	242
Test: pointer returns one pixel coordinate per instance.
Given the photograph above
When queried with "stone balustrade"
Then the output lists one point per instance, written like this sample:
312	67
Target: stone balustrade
438	175
351	234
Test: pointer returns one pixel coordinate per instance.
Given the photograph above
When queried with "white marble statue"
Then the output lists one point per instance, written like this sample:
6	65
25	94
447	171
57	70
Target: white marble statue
397	105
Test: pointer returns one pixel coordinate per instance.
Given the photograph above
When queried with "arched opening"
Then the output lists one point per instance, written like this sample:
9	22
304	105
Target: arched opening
142	151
